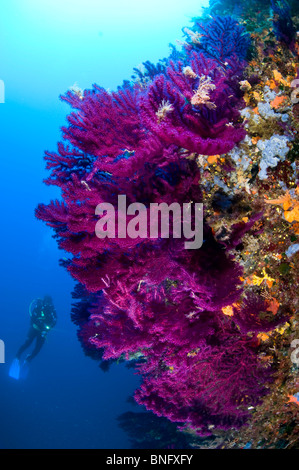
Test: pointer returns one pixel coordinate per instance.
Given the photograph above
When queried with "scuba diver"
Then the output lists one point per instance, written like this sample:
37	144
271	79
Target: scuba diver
42	319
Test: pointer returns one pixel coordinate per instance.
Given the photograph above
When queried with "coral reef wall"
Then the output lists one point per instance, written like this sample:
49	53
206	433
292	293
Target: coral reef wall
208	330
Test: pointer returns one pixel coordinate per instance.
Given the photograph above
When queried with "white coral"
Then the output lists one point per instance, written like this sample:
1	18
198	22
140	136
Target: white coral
273	150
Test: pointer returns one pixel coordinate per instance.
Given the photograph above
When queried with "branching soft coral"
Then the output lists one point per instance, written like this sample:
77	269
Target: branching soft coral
193	125
221	38
209	388
151	298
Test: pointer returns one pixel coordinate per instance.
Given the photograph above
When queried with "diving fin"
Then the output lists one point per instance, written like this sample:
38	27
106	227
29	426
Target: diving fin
14	370
24	369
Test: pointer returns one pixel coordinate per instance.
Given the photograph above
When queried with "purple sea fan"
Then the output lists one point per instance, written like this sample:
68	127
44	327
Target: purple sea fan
146	298
211	387
220	38
198	127
106	122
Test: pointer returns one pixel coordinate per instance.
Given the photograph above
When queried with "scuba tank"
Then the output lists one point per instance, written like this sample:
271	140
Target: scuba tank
41	318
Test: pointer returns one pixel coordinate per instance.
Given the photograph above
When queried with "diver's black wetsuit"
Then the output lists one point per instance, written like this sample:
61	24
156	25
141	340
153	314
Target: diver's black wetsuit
43	318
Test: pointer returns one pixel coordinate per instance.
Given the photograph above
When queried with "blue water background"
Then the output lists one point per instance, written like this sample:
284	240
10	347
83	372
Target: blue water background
45	47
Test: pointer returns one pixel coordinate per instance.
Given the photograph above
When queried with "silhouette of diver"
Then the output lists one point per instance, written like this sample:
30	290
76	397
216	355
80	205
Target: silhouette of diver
42	319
